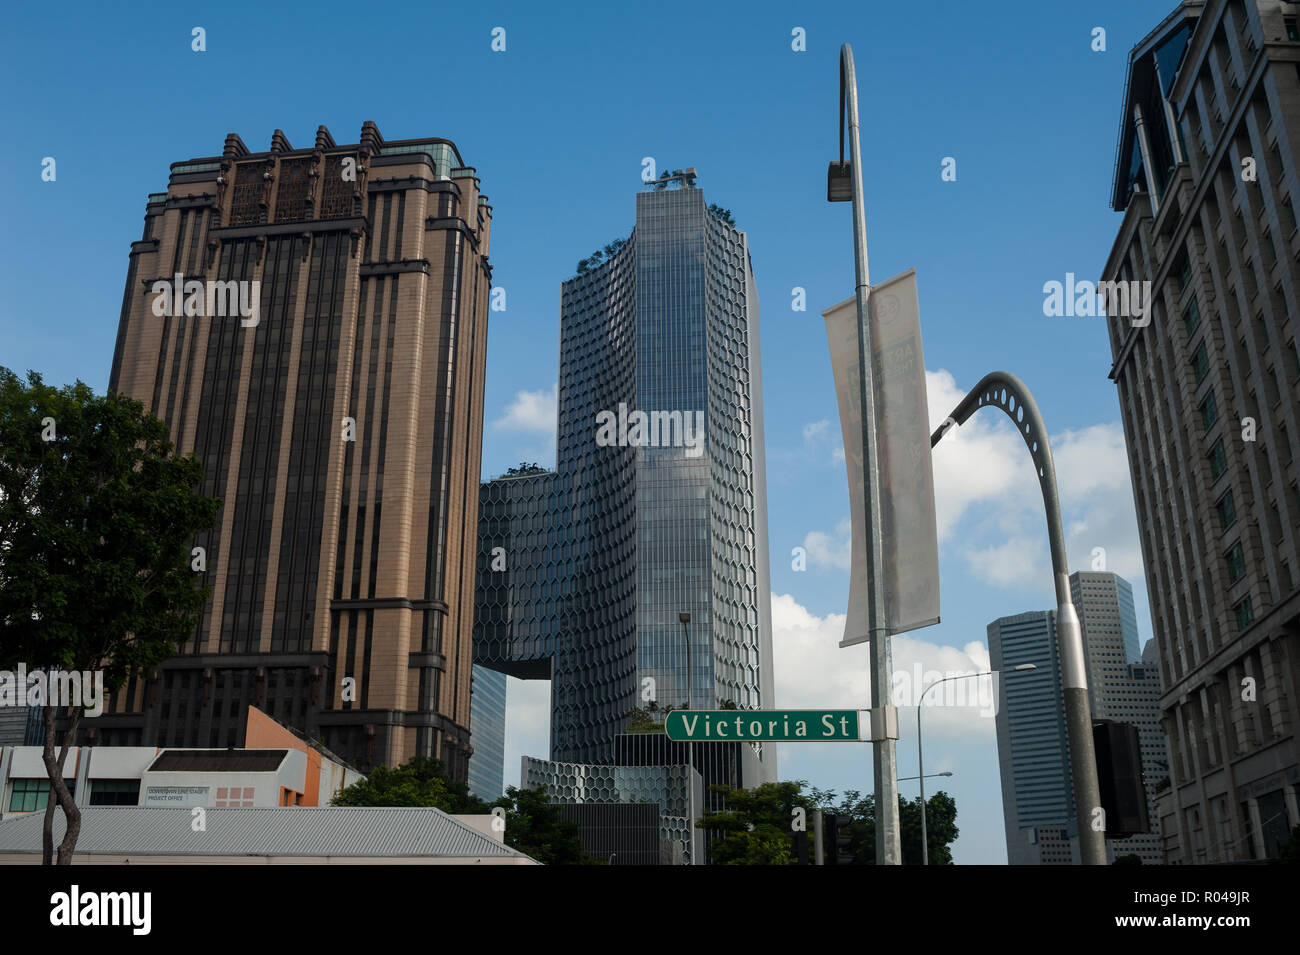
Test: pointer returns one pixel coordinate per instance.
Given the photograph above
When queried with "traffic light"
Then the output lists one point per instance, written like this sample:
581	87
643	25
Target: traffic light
1119	777
839	835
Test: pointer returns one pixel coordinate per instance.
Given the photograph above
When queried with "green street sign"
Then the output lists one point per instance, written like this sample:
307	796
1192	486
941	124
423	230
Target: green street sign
782	726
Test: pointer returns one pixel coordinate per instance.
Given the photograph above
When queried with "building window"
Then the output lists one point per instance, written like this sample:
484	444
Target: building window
1244	616
1185	273
1236	563
1292	33
1200	363
1227	512
29	795
1218	462
234	797
1209	413
1191	317
115	792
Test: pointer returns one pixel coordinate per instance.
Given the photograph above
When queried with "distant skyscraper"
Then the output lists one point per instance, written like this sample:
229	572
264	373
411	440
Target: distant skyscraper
1209	391
657	507
1033	751
339	418
487	734
1122	688
1033	747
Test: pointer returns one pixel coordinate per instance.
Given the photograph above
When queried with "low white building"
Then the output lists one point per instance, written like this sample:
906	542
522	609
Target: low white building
169	778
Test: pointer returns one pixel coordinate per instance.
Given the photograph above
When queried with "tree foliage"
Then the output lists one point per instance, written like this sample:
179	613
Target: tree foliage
940	823
721	213
535	827
600	256
756	827
525	467
420	782
98	515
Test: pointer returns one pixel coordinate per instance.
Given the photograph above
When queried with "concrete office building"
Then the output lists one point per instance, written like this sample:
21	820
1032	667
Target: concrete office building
1209	390
595	561
338	415
1122	688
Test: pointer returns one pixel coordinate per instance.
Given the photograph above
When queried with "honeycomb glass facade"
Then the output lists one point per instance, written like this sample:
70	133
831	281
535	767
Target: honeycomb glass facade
584	571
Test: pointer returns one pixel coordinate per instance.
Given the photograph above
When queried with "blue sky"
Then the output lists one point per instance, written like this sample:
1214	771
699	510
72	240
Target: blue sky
557	126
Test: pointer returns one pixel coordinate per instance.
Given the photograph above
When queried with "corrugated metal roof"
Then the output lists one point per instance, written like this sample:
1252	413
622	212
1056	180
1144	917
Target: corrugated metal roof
266	831
218	760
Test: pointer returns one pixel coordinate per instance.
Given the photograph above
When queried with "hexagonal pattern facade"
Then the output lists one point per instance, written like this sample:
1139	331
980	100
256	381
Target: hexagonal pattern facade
584	570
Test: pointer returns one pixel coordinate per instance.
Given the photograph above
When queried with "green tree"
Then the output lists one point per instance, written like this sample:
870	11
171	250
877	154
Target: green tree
535	827
420	782
721	213
940	823
757	827
526	467
98	516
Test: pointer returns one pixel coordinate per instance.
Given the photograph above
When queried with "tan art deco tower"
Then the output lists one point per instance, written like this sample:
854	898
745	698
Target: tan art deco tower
342	432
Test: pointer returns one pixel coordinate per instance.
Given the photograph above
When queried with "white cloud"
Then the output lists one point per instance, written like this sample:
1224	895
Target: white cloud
812	671
825	550
533	411
982	460
985	481
816	429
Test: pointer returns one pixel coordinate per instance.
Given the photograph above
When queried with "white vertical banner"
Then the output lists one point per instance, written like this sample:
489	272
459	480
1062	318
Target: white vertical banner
911	546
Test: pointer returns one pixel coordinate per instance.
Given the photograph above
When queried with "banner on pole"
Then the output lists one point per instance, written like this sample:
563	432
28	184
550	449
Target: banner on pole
911	545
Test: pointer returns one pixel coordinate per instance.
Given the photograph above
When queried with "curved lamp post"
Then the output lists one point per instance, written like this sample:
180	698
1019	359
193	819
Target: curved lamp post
1004	390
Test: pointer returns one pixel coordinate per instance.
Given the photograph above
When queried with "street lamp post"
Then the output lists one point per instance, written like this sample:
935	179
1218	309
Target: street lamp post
685	619
844	184
920	761
1003	390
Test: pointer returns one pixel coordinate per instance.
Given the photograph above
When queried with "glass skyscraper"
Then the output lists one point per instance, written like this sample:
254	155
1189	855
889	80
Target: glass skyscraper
657	505
487	729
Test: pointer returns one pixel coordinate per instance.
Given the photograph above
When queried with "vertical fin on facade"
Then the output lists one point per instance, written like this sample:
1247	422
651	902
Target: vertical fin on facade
234	148
371	140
